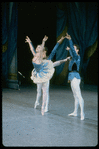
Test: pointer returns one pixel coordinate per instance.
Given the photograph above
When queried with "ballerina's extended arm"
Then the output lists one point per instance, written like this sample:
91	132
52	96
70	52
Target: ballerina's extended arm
57	63
43	41
30	45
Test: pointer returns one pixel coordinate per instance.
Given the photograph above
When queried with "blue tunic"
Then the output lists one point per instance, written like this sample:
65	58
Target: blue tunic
75	60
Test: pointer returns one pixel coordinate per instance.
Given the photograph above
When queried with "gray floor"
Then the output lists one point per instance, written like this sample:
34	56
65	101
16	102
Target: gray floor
22	125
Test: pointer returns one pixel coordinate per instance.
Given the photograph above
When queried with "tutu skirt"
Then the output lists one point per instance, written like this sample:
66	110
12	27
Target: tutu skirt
42	72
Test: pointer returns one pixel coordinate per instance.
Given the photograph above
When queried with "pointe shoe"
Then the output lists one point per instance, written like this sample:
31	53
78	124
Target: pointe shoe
72	114
42	112
46	110
82	117
36	104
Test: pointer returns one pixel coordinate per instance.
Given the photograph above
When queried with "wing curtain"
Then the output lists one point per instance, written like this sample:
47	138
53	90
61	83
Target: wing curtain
9	35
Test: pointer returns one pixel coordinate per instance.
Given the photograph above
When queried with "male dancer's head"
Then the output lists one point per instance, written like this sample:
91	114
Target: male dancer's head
76	47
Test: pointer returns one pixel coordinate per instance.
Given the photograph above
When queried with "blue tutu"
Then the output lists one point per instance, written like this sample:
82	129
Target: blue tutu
42	72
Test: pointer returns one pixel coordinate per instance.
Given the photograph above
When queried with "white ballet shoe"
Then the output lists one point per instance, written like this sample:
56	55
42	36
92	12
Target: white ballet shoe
42	112
46	110
72	114
82	117
36	104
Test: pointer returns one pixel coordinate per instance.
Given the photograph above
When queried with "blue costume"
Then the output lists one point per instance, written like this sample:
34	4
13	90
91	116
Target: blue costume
75	79
74	64
43	72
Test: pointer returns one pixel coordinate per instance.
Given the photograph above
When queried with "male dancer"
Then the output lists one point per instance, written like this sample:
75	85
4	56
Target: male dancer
74	77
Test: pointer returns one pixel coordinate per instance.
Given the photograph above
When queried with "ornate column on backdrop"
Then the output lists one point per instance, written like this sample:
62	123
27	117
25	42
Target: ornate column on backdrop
9	44
12	81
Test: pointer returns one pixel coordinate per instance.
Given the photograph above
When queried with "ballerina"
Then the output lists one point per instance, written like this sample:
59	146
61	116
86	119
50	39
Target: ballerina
43	70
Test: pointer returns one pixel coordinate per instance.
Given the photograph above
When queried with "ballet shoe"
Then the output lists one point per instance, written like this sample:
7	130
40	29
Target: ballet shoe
42	112
46	110
36	104
82	117
72	114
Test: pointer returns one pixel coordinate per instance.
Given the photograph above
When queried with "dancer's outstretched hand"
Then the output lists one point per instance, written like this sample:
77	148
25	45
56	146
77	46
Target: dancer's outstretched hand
45	38
61	39
27	39
69	58
67	48
68	36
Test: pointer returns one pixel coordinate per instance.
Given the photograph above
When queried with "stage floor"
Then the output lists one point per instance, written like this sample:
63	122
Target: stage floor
22	125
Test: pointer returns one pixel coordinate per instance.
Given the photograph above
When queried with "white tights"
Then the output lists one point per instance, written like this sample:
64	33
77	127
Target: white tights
43	87
75	86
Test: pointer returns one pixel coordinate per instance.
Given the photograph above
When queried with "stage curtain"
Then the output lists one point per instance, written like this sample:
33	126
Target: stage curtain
9	35
4	41
80	20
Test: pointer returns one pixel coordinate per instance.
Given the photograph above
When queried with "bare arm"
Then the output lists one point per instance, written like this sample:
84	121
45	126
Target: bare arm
57	63
43	41
30	45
